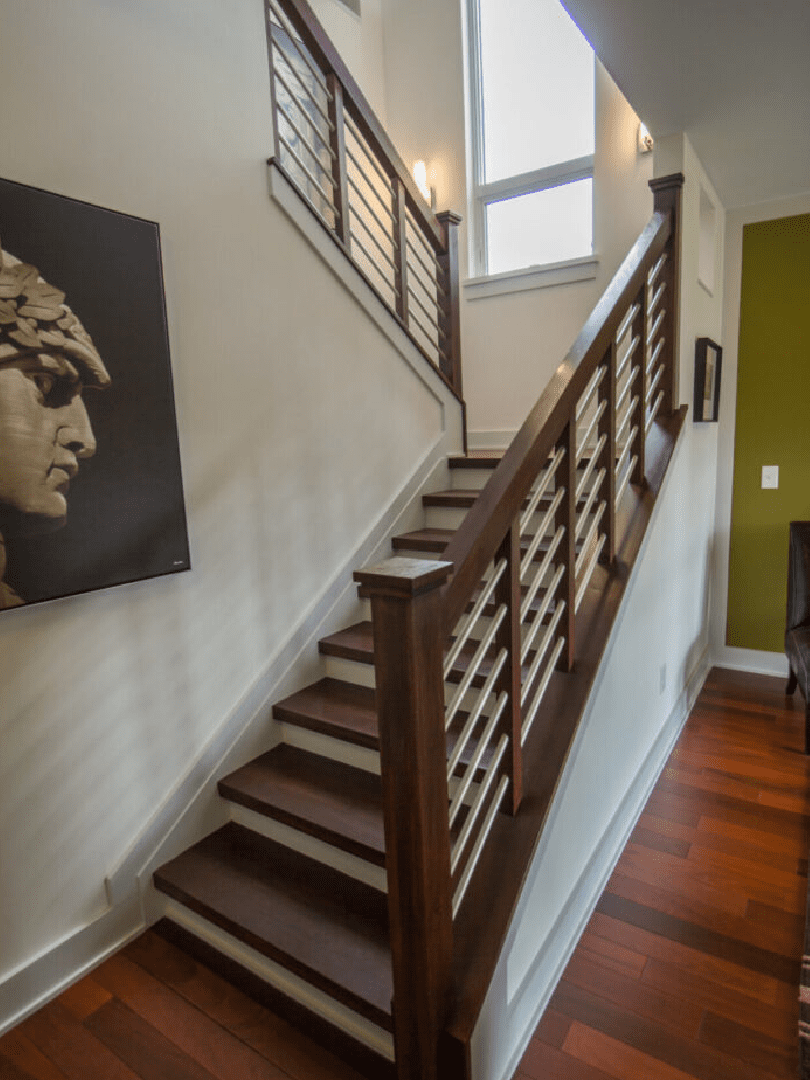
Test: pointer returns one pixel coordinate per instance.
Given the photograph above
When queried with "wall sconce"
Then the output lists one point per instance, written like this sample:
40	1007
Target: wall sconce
420	177
645	139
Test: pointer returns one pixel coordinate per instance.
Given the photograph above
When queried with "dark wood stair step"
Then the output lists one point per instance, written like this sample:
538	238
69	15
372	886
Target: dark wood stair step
434	541
476	459
348	644
333	707
464	499
320	924
327	799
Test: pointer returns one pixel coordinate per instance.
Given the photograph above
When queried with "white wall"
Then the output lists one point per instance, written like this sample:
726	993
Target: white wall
359	41
513	344
736	220
630	722
295	432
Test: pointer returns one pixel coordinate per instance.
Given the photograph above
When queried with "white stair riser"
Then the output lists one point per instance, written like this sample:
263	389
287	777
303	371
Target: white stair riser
320	850
311	998
359	757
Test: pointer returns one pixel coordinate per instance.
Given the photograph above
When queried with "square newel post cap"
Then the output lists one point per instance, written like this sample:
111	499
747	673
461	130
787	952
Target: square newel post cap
403	577
663	183
449	217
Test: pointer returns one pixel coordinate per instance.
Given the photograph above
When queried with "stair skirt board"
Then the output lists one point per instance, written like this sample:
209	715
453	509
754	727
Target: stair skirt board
310	846
285	982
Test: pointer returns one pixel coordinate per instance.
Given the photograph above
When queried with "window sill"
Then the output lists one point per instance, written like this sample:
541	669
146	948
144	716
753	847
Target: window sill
533	277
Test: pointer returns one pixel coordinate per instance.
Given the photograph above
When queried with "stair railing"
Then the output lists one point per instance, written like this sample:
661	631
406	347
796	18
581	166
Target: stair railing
465	647
332	149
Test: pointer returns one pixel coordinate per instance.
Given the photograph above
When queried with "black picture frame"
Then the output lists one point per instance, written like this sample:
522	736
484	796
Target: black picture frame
126	516
708	367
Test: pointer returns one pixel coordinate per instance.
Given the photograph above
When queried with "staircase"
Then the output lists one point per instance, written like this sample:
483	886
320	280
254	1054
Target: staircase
315	904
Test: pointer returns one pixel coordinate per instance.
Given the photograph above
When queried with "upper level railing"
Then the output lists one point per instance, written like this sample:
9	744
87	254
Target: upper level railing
466	647
331	147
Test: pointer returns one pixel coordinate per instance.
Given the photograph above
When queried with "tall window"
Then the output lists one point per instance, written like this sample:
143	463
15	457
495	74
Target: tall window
533	135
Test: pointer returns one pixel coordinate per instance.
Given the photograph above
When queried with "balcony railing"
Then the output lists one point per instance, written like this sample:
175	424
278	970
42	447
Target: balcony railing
332	149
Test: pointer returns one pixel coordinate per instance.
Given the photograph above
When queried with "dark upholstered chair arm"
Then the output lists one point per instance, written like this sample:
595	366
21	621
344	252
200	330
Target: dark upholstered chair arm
798	588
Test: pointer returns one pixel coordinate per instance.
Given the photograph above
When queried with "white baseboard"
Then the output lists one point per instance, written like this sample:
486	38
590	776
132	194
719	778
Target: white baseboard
540	981
756	661
33	985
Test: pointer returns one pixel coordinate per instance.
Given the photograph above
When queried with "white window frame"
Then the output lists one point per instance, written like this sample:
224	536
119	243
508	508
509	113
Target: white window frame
485	194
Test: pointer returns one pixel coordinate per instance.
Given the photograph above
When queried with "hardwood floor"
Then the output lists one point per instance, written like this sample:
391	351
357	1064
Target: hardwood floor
689	967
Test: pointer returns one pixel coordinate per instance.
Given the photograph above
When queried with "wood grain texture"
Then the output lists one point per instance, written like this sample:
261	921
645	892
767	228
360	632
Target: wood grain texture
689	966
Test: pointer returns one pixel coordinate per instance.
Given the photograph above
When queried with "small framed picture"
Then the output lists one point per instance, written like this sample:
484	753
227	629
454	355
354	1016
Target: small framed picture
708	360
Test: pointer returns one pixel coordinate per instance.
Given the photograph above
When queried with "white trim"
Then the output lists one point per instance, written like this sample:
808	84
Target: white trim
584	268
35	983
547	968
757	661
497	439
550	176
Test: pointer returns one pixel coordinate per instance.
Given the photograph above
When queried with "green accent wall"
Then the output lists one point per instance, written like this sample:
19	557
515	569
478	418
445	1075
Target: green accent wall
773	426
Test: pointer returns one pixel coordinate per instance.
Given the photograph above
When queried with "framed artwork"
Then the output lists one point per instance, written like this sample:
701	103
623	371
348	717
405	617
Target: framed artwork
708	361
91	492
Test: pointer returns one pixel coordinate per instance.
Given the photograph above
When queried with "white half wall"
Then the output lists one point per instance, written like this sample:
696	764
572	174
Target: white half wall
299	423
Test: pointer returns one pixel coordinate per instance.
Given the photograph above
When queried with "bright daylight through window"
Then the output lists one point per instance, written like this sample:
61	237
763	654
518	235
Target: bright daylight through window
533	135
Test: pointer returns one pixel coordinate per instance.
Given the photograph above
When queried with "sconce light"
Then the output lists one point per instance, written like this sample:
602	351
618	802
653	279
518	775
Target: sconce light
645	139
420	177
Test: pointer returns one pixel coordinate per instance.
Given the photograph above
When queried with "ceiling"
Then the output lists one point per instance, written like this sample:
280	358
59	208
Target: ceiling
733	74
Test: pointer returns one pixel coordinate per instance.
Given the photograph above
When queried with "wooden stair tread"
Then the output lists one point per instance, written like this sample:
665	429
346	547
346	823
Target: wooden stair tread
333	707
320	924
327	799
348	644
476	459
464	499
436	540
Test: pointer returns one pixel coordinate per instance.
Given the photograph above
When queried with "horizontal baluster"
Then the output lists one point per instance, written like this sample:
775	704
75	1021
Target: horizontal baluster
540	614
315	183
542	648
586	577
458	895
475	663
589	539
656	326
356	240
541	489
624	325
475	713
621	400
294	99
542	571
627	446
469	622
656	270
325	169
466	832
625	360
583	517
589	391
370	155
624	480
655	408
535	542
659	292
284	23
384	228
475	760
320	107
655	354
531	712
586	476
415	321
428	314
431	272
586	438
659	371
372	187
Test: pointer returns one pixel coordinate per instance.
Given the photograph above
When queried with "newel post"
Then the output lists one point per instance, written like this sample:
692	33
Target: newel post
667	197
409	649
451	303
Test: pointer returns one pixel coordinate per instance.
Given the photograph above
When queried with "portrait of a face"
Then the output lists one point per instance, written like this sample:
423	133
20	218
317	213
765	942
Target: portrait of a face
90	493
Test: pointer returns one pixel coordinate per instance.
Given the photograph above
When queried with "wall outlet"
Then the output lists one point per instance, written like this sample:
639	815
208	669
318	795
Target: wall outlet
662	679
770	477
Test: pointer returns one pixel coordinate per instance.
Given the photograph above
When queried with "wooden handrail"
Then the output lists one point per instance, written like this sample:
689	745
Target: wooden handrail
419	608
328	59
482	531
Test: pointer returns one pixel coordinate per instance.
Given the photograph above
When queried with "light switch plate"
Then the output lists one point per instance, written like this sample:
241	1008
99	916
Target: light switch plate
770	476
